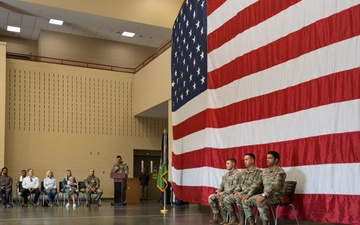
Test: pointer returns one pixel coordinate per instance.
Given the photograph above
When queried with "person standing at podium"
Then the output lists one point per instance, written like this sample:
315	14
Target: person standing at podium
121	167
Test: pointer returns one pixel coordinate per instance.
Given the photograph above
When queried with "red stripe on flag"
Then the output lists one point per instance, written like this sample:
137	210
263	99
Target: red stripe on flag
338	87
213	5
336	28
314	150
336	208
246	19
187	193
344	208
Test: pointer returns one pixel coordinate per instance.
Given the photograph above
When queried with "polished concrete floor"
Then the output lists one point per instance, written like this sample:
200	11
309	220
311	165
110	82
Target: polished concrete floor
137	213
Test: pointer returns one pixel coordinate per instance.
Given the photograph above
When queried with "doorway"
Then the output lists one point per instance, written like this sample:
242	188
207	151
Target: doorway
150	159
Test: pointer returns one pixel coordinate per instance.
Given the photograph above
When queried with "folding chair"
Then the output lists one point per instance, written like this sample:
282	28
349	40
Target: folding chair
289	192
82	192
42	193
61	193
17	193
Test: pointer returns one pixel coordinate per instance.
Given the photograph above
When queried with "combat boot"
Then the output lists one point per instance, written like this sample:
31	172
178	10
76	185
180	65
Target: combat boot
233	220
251	221
216	219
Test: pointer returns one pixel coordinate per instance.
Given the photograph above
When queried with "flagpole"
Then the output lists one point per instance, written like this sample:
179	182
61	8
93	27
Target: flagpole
162	177
164	210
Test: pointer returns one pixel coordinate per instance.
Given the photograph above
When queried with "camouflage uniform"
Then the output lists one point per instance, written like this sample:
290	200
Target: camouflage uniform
93	182
120	168
229	181
272	180
246	179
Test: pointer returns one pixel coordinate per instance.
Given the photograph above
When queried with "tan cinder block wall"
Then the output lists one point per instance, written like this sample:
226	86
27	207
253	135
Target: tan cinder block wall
152	84
92	50
20	45
2	101
61	117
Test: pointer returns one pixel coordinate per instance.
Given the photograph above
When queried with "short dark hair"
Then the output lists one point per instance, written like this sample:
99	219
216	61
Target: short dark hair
4	168
233	160
119	156
275	154
251	155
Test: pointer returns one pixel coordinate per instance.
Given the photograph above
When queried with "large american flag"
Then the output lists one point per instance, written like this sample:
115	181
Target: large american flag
259	75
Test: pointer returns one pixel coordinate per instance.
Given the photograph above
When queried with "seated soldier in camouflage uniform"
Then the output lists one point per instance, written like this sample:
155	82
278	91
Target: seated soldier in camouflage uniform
92	184
247	178
272	180
229	182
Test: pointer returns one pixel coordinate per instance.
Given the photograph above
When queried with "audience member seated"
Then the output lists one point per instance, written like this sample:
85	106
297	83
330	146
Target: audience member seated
5	188
50	187
30	185
70	190
18	181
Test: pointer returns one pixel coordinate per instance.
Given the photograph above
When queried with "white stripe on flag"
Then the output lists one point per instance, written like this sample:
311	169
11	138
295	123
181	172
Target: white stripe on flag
225	12
325	178
327	119
335	59
278	26
314	179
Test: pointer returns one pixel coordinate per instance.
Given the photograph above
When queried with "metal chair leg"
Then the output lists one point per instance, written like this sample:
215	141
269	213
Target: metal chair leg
297	221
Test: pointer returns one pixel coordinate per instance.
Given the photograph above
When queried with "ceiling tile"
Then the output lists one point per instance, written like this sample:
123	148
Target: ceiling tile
66	29
28	21
35	33
91	31
14	19
103	33
36	17
53	27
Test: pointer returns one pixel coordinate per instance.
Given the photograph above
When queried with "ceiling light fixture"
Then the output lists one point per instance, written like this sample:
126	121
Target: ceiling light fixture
56	22
128	34
13	29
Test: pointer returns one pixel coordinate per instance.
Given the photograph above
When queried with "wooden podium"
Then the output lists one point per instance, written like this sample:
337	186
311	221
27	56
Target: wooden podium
119	188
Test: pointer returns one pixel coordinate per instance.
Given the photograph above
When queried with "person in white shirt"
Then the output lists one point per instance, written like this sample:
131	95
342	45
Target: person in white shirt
30	185
50	187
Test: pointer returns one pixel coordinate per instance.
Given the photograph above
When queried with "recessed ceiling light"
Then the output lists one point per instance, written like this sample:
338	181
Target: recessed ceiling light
13	29
128	34
56	22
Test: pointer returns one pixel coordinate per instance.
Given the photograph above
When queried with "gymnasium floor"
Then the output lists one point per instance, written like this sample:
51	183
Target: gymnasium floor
137	213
